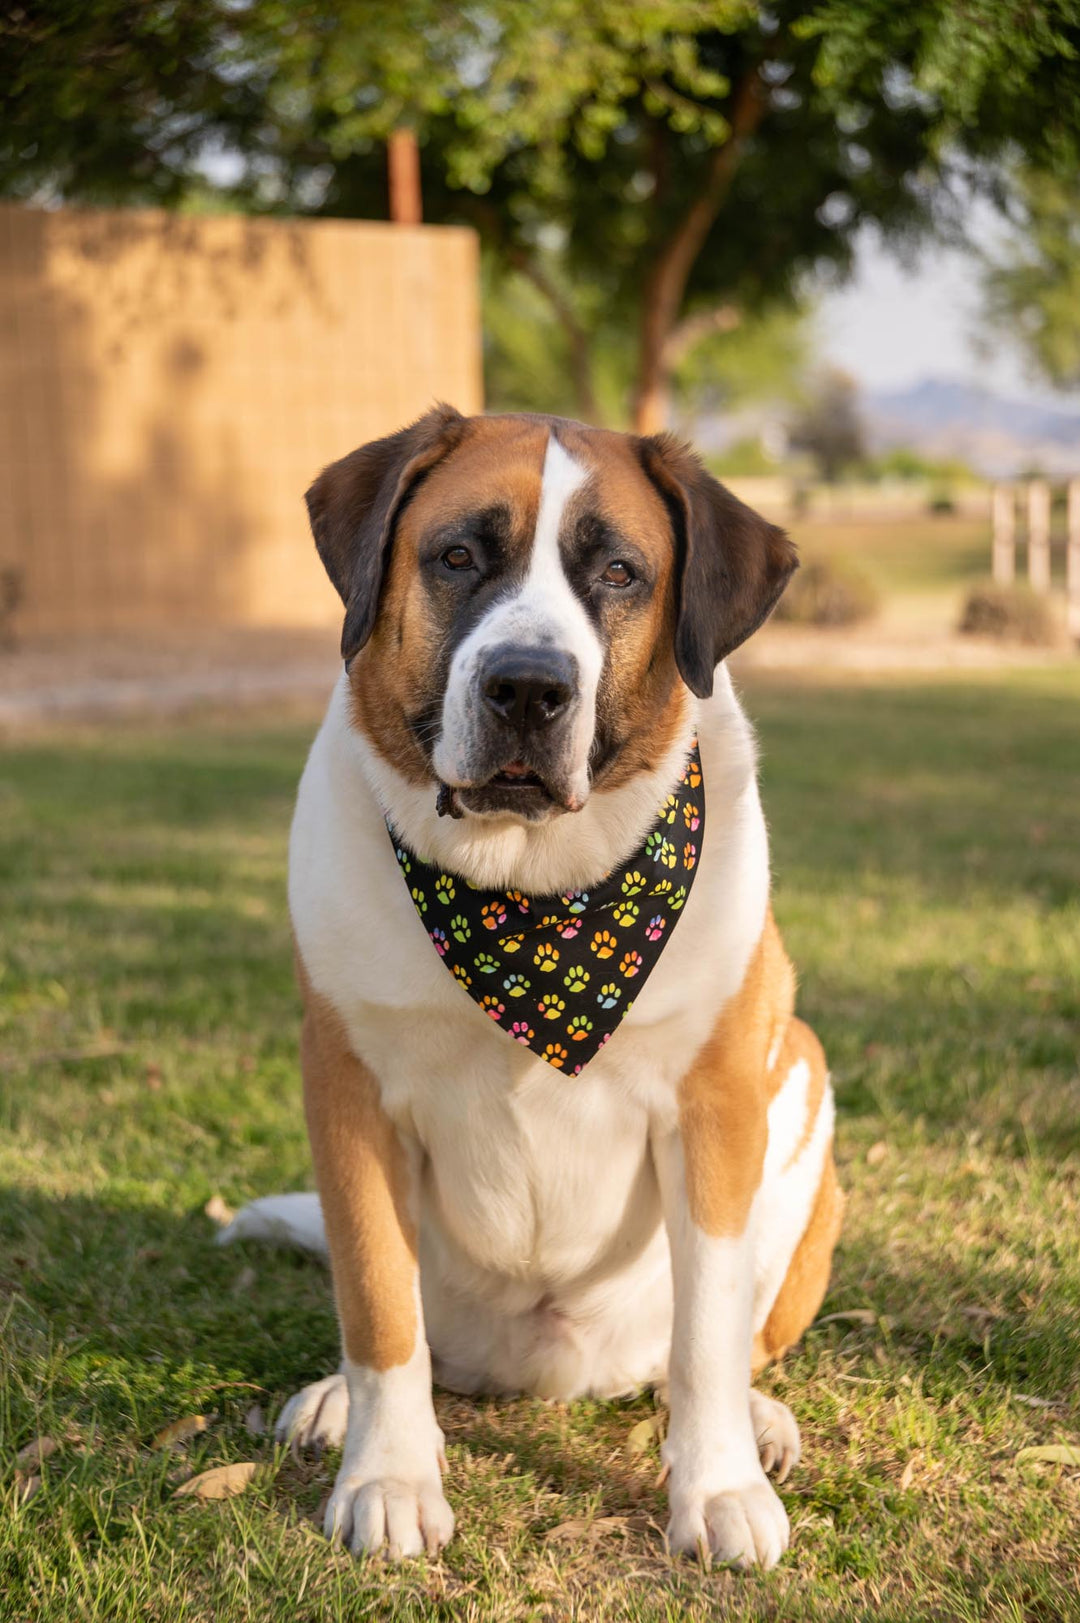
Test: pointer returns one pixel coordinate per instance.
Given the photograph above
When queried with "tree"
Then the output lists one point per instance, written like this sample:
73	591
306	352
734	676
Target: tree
830	426
1033	288
665	167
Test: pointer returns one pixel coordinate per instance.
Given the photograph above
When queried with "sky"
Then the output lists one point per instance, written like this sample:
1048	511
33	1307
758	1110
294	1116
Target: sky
890	327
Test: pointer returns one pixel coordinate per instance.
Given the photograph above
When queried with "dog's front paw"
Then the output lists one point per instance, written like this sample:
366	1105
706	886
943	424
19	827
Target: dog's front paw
316	1416
745	1525
392	1515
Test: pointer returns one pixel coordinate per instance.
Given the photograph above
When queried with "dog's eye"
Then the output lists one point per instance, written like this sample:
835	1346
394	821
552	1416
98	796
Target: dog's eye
457	558
617	574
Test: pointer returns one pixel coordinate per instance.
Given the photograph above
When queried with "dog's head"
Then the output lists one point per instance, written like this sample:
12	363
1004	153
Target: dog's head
527	600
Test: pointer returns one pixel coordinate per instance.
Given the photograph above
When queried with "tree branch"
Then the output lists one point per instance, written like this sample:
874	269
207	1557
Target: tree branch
693	330
576	336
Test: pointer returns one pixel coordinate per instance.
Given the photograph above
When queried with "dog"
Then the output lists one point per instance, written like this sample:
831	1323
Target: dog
533	736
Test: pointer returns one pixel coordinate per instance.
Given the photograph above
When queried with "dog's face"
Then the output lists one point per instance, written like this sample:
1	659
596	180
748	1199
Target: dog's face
527	600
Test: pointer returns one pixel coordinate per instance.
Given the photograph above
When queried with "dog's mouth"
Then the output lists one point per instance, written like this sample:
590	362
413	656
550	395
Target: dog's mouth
516	789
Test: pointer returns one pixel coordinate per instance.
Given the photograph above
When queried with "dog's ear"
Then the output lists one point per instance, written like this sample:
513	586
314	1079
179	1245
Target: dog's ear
732	564
354	504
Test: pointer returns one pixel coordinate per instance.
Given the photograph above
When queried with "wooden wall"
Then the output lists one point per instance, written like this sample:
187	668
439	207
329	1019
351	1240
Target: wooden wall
169	385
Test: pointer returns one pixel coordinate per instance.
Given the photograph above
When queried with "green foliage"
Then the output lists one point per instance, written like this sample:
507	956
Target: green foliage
905	462
829	426
1033	288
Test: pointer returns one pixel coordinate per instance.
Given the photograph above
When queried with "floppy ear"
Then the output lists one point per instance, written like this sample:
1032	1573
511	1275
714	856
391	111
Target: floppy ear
353	506
733	564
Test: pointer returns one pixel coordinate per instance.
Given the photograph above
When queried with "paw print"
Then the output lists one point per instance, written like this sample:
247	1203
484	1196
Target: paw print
669	810
462	974
444	888
459	927
551	1007
493	915
556	1055
633	882
492	1006
516	899
439	941
625	913
608	995
516	985
691	816
667	854
511	943
546	956
485	964
579	1028
603	944
655	927
403	859
419	899
576	979
568	928
689	855
677	898
631	963
692	775
653	844
522	1032
576	900
661	888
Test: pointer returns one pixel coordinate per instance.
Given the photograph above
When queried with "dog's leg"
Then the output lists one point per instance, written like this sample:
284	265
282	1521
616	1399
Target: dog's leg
722	1504
388	1492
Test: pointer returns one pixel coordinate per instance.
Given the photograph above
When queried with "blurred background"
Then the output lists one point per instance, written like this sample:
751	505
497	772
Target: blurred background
836	244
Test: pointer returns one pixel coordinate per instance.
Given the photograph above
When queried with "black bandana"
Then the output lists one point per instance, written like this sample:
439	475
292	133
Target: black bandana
558	973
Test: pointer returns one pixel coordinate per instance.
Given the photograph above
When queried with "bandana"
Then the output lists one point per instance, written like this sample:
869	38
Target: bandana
558	973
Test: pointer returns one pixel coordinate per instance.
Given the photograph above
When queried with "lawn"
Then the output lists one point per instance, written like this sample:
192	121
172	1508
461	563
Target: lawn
928	881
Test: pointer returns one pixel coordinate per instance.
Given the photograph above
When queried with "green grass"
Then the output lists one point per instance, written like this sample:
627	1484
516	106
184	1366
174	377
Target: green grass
927	874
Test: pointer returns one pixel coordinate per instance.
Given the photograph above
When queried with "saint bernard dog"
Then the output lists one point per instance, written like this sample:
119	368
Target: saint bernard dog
548	1161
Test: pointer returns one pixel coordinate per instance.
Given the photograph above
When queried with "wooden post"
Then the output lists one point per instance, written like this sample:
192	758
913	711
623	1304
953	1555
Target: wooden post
403	163
1072	562
1003	555
1039	535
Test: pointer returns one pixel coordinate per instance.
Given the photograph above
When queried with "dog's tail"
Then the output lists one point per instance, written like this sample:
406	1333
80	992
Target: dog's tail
289	1220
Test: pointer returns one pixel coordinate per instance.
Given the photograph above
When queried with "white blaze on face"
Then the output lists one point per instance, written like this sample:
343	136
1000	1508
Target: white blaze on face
543	611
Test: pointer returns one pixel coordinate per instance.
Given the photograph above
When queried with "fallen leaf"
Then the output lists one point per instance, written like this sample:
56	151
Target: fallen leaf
221	1483
218	1211
852	1315
641	1436
1050	1454
255	1420
180	1430
31	1454
907	1474
877	1153
26	1486
581	1528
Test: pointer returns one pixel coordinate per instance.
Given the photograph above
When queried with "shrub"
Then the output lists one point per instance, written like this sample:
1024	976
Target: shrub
831	593
1009	613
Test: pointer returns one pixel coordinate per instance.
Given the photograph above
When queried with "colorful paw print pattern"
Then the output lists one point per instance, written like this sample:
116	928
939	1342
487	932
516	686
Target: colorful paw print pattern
559	973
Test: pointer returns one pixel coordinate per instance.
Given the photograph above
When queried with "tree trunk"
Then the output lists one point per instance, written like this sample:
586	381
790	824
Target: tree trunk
666	284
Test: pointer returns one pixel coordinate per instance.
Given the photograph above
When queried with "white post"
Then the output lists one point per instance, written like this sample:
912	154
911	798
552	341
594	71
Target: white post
1003	518
1039	535
1072	561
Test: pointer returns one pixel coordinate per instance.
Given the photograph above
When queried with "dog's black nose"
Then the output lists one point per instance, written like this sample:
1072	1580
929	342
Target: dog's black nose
529	688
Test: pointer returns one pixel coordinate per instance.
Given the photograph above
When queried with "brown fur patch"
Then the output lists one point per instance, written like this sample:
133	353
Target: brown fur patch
807	1278
724	1096
363	1187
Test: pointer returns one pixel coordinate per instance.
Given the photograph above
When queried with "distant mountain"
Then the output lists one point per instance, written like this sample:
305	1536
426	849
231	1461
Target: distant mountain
944	418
